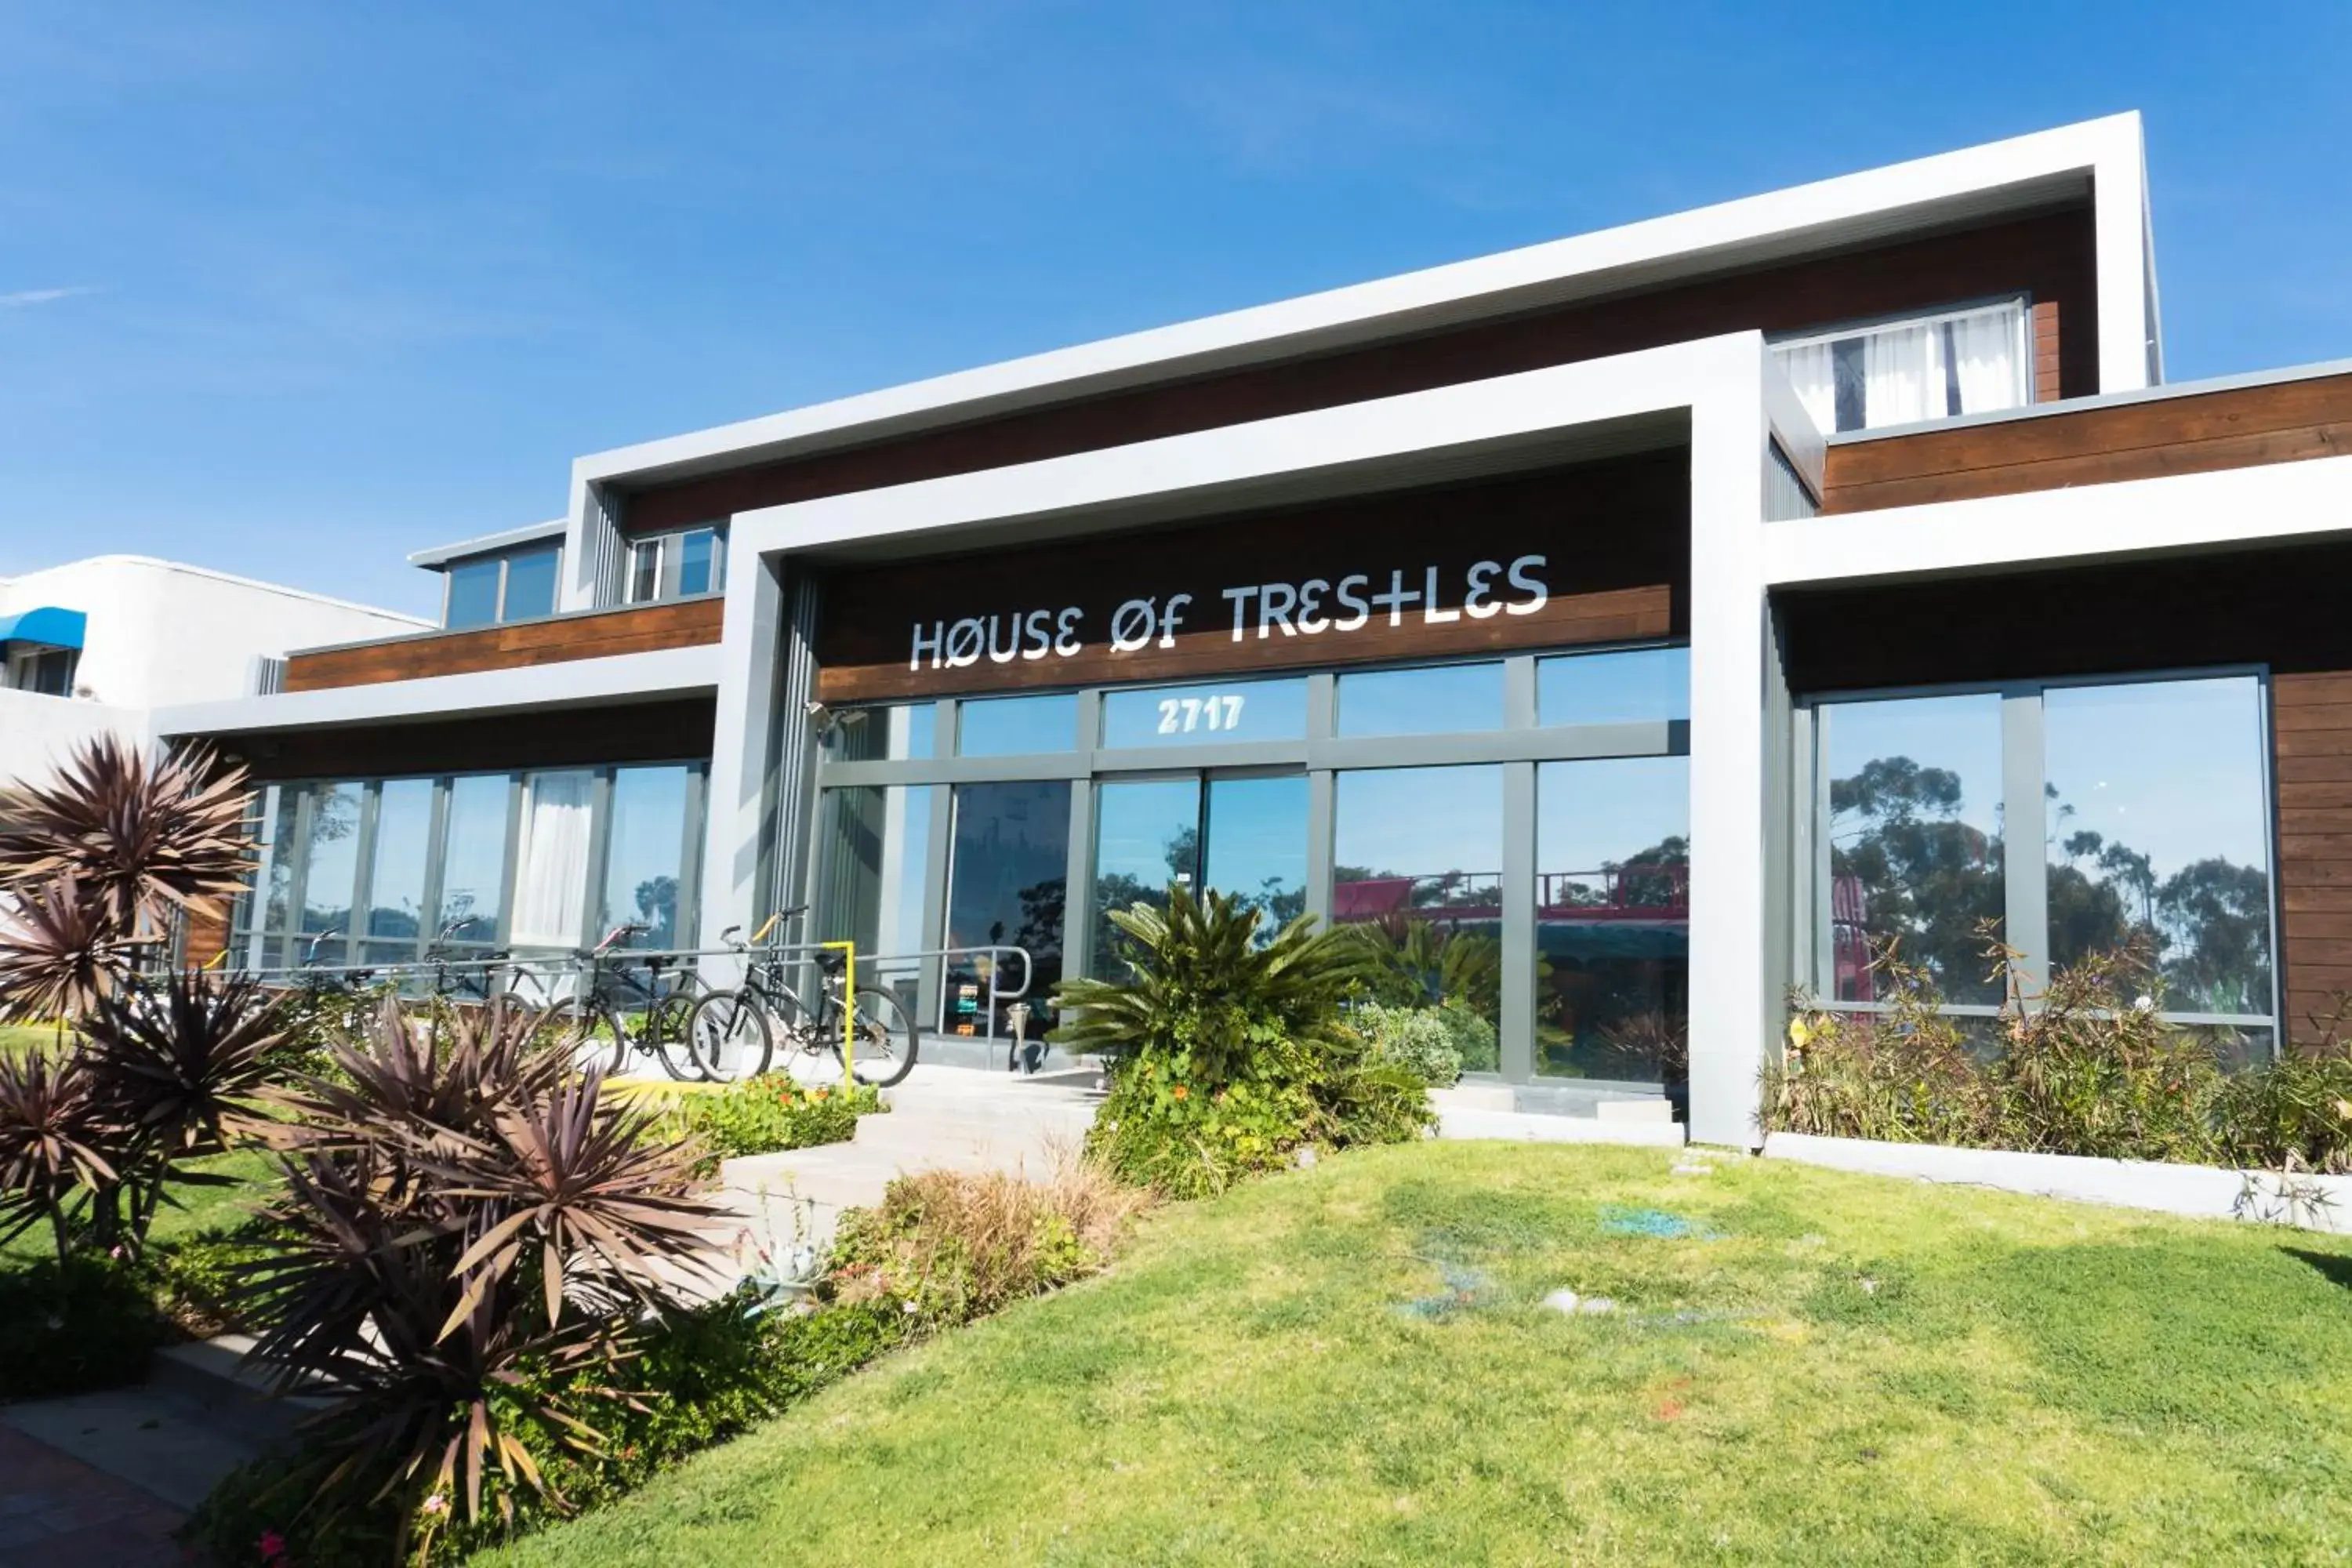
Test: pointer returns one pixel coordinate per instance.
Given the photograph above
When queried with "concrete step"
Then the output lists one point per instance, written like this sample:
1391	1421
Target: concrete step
1523	1127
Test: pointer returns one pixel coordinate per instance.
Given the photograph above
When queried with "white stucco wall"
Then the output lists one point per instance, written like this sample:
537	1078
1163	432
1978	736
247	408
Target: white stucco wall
37	731
162	634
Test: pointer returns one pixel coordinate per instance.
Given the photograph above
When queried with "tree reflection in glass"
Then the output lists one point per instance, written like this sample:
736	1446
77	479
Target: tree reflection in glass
1915	840
2159	835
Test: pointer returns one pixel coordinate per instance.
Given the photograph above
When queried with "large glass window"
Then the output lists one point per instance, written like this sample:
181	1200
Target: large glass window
1147	840
433	852
1257	851
1418	854
2154	811
1449	697
1213	711
1973	361
1915	828
551	897
473	594
399	864
677	565
2159	835
874	849
1016	726
1636	686
332	871
1613	918
645	853
531	584
1008	875
474	861
516	586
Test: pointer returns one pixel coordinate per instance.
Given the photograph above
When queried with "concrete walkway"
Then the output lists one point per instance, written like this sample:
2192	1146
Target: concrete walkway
57	1511
942	1118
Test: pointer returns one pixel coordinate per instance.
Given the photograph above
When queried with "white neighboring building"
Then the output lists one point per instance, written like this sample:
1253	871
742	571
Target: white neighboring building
100	644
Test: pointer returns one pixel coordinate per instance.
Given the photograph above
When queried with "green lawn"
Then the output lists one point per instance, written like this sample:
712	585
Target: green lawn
202	1208
1827	1369
19	1039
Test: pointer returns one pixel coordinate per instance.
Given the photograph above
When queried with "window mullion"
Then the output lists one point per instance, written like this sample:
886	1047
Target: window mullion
2026	861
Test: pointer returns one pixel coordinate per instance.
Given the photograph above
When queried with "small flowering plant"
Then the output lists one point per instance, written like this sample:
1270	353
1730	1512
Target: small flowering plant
765	1114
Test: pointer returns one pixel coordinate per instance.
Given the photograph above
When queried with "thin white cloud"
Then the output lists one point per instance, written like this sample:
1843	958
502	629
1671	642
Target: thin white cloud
23	297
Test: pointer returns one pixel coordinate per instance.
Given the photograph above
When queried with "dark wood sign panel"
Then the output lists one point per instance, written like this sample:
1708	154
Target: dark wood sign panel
1597	554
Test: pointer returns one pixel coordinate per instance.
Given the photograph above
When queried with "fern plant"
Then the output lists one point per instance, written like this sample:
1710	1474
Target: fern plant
1202	988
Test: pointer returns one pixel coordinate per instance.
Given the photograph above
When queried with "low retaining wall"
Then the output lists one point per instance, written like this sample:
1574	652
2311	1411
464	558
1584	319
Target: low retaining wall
2200	1192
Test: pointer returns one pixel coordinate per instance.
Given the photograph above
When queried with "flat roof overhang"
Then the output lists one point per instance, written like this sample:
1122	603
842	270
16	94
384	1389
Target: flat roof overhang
615	681
2100	160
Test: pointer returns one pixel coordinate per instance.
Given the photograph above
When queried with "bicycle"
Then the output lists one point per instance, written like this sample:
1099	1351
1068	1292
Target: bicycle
611	993
732	1033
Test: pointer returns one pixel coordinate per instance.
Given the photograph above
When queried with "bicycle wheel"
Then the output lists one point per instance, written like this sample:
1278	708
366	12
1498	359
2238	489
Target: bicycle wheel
884	1042
662	1030
590	1032
727	1037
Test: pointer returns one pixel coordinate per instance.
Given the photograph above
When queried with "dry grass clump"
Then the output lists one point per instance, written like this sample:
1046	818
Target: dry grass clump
958	1244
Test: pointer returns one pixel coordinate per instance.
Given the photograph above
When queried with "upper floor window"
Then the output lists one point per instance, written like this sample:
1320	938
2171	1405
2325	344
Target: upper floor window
516	586
48	670
677	565
1971	361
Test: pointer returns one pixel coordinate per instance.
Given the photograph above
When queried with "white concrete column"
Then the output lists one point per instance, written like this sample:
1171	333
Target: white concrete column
1731	993
742	743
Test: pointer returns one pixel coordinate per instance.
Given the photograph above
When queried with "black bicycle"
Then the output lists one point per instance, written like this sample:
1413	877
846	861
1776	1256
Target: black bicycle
733	1033
627	1002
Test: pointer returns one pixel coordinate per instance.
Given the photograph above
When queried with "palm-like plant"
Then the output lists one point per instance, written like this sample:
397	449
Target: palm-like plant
174	1074
462	1211
52	1146
1201	984
141	841
59	954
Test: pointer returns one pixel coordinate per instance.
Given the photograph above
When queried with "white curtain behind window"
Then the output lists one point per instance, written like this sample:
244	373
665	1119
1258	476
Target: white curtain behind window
1988	353
552	879
1812	369
1903	370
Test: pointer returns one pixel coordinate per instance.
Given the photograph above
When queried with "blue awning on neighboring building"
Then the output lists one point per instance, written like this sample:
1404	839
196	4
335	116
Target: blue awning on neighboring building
49	626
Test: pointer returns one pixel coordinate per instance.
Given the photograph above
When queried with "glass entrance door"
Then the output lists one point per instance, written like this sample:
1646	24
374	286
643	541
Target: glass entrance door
1008	871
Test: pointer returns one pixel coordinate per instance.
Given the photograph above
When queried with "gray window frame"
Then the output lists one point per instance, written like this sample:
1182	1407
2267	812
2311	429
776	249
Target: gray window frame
505	559
262	948
2024	775
1320	754
668	562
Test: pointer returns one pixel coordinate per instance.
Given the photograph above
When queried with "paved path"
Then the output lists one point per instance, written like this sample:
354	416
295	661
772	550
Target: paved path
56	1512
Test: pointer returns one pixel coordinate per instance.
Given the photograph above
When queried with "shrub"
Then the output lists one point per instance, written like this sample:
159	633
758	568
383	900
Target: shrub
2090	1069
762	1115
1426	1040
700	1377
1227	1054
71	1325
90	1140
954	1245
471	1233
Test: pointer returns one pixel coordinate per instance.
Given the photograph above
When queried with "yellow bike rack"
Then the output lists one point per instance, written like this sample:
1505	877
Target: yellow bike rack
848	1013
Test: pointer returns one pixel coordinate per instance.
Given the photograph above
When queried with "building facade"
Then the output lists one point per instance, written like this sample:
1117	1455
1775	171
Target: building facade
99	645
1633	627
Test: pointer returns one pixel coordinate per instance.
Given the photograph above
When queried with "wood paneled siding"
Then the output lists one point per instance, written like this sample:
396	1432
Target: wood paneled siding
2311	726
2049	257
2236	428
641	628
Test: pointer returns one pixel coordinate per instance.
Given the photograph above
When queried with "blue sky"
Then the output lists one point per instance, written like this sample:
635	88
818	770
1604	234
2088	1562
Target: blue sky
294	289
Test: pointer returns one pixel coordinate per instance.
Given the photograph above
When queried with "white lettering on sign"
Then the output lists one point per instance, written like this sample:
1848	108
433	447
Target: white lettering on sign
1260	611
1182	715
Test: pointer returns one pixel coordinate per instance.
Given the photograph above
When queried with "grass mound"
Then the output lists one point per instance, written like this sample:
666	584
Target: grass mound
1793	1365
